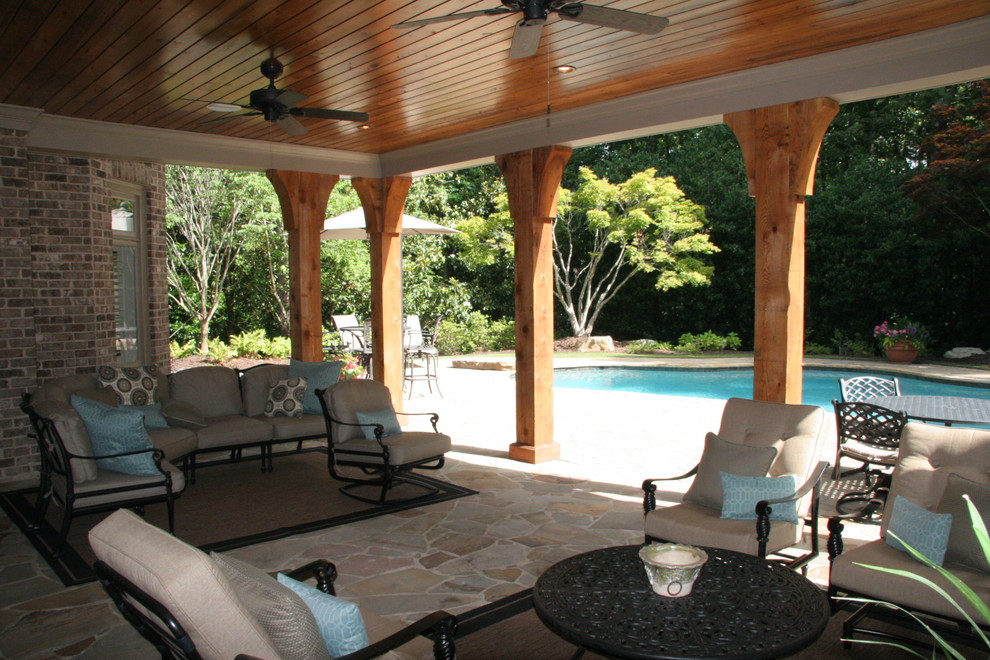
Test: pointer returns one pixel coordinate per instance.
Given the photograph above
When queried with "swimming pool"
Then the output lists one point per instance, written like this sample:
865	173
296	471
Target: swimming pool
820	385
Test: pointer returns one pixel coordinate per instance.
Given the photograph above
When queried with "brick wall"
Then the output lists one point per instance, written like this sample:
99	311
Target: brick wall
57	309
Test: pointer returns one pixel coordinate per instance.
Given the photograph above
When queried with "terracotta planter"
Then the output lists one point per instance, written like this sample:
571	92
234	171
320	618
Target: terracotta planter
902	352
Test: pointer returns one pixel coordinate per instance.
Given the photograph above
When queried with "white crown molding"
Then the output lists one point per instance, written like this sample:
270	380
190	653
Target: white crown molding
953	54
128	142
18	118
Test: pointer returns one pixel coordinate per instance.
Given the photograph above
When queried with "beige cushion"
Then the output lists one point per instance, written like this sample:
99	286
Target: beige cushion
74	436
347	397
60	389
701	525
964	548
379	627
232	430
723	456
848	576
186	581
183	414
407	447
175	442
108	480
256	382
289	428
214	390
283	614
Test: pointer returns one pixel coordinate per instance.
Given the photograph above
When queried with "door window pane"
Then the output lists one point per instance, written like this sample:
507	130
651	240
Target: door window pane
126	290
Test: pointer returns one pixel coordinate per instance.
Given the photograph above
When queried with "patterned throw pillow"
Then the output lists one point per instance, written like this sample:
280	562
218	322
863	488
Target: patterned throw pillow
339	621
285	398
319	375
384	417
134	386
116	430
740	495
926	532
282	614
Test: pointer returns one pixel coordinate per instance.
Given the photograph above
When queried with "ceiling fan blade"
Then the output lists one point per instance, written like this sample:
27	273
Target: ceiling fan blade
225	107
453	17
323	113
289	98
526	39
225	118
291	125
617	19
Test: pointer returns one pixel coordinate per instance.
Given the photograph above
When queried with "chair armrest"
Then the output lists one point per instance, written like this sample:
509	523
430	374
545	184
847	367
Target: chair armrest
650	488
764	508
811	483
434	417
324	571
440	623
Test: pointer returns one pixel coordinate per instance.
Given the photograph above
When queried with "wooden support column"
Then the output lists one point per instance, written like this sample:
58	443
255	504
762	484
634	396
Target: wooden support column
383	201
532	179
303	197
780	146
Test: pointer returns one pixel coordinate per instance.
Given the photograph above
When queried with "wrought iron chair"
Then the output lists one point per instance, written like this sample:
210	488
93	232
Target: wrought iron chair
771	439
871	434
862	388
380	450
74	480
420	356
179	599
935	467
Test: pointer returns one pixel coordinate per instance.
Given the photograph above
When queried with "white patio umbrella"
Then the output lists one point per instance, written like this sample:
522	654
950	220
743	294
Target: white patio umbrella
351	225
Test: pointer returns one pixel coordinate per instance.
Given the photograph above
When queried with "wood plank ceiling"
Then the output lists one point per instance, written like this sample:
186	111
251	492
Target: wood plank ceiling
160	63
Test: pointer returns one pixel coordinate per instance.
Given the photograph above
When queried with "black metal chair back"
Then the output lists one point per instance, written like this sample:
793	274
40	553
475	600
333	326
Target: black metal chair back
868	424
862	388
871	434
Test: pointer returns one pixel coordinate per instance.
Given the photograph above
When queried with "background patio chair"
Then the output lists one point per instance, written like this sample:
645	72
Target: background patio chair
755	439
935	466
420	356
364	433
187	605
77	483
871	434
862	388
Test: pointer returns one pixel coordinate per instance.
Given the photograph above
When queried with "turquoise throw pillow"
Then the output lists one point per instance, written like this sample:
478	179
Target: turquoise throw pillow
319	376
741	494
384	417
926	532
339	621
153	418
114	430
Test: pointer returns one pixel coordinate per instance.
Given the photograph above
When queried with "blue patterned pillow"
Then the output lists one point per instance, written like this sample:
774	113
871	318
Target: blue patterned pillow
339	621
925	531
153	418
115	430
740	495
319	376
384	417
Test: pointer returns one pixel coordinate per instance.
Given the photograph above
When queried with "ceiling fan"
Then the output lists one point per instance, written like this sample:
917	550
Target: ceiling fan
279	105
526	37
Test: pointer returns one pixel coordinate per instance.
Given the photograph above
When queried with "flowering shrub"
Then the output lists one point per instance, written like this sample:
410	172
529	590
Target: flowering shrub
900	329
352	366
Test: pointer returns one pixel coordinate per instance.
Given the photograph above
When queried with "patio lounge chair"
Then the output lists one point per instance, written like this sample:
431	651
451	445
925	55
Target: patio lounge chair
935	467
756	439
364	433
189	604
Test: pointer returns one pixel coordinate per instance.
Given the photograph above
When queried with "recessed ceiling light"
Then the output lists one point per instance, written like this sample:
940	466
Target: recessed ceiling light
364	127
565	68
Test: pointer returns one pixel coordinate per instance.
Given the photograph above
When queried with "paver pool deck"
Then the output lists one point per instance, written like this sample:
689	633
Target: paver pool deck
453	555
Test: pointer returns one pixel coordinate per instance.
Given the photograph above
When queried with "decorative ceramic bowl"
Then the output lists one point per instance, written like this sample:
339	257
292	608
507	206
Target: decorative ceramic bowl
672	567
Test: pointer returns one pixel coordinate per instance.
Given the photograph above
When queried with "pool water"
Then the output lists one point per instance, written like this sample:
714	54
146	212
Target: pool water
820	385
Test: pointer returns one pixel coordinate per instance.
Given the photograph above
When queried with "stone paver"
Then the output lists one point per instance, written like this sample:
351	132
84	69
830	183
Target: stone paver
453	555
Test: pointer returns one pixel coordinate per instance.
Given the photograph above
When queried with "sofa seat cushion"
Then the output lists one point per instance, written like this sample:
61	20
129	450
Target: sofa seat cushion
184	579
107	479
175	442
404	448
231	430
256	383
290	428
847	576
699	525
214	390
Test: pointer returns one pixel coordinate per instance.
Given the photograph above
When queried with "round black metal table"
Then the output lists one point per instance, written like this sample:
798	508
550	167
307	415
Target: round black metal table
741	607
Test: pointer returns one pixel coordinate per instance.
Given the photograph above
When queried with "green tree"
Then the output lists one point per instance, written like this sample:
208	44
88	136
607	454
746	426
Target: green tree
605	233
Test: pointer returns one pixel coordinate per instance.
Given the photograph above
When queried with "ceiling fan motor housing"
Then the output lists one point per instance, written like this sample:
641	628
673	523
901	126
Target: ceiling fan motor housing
266	100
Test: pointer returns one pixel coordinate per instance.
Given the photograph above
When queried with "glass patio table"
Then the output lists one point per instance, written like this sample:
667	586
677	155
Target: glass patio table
741	606
941	409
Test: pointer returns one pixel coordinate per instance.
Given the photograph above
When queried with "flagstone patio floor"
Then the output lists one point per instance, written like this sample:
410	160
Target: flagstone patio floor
454	555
